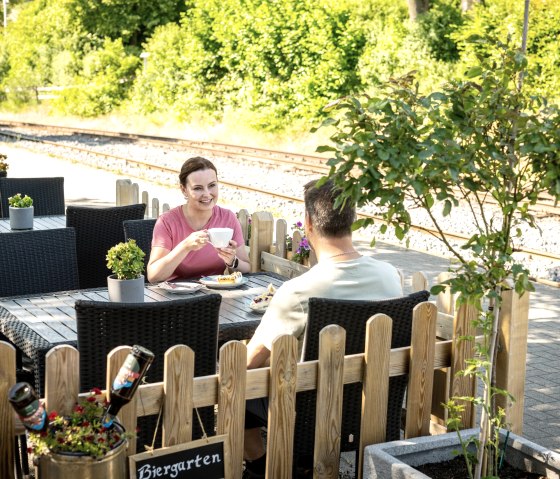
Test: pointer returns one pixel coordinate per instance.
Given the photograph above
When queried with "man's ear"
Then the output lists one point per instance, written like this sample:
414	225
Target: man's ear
308	226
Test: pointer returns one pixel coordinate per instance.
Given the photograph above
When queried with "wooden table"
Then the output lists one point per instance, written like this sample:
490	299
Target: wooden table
39	223
37	323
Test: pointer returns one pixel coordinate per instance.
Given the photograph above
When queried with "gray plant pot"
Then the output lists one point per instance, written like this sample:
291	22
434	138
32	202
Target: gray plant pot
396	459
21	218
125	290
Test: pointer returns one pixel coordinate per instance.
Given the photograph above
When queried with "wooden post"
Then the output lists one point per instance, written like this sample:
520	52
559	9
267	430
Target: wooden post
7	427
262	230
155	208
281	232
178	395
281	407
231	401
146	201
512	356
421	376
244	217
377	357
62	379
330	383
461	351
122	187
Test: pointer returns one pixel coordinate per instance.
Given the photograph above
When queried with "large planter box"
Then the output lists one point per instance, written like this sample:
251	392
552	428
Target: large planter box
396	459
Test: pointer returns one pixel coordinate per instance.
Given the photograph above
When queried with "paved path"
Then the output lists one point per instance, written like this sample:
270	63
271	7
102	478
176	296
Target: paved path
85	185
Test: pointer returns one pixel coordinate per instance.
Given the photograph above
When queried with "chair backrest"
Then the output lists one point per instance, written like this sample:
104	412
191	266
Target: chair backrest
97	230
38	261
141	231
47	194
157	326
353	315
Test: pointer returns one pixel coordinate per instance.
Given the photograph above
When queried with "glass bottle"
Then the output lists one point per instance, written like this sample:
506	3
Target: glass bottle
28	407
127	380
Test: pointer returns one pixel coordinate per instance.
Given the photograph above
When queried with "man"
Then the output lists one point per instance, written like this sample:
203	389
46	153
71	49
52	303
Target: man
341	272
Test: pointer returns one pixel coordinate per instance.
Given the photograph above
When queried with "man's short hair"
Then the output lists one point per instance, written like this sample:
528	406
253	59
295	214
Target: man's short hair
319	205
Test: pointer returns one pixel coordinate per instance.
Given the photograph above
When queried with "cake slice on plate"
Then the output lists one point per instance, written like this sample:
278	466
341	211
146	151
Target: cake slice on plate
261	302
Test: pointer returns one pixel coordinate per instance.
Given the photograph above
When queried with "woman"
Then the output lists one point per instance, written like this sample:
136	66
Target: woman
181	246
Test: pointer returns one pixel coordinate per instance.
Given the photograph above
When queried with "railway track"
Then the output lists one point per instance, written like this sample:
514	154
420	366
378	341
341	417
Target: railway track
19	131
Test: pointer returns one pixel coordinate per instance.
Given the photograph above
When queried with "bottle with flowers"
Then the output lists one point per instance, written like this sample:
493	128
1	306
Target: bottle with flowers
80	444
3	165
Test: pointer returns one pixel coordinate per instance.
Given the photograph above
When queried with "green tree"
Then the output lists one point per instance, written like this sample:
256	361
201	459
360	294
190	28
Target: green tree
482	136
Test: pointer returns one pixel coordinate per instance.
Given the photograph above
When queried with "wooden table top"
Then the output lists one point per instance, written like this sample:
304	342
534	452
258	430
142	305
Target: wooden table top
39	223
37	323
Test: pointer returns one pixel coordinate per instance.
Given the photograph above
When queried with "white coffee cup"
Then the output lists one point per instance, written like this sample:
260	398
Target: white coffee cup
220	237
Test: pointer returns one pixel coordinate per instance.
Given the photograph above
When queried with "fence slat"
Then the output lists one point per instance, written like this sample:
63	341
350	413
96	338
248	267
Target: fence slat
7	428
463	350
231	401
282	407
178	389
62	379
328	418
377	356
421	371
262	230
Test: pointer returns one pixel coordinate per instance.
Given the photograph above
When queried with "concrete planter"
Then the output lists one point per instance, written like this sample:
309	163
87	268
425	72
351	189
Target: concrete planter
396	459
21	218
125	290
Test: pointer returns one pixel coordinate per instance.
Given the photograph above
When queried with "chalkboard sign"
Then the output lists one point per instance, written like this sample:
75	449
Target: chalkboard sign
202	459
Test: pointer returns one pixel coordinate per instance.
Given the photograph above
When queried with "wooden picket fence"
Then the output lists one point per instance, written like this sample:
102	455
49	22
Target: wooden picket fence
233	385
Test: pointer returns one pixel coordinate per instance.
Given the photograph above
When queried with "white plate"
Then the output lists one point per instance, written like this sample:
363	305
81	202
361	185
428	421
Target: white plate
180	287
212	282
256	310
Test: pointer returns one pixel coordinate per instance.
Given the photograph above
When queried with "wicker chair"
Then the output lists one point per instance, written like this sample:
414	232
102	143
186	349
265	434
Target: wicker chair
38	261
352	316
97	230
47	194
141	231
157	326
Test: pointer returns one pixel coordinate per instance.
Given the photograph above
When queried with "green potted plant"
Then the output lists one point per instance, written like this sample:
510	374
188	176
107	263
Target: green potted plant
21	212
478	138
79	444
126	261
3	165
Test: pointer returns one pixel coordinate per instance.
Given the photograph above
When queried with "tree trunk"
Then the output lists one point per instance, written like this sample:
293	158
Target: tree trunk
466	5
416	7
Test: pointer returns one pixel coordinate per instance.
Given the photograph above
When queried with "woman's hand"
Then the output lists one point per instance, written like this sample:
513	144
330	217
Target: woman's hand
228	253
196	240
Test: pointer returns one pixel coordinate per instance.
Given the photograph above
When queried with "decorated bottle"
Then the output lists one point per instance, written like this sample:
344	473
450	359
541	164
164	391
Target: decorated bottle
127	380
28	407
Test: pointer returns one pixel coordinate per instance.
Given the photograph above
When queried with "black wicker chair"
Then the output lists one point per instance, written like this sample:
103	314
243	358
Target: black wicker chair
47	194
352	316
157	326
38	261
97	230
141	231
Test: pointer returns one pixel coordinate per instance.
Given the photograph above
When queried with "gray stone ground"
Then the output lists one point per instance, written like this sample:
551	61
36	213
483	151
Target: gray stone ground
84	185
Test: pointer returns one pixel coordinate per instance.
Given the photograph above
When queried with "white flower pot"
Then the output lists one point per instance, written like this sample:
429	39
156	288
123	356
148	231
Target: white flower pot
125	290
21	218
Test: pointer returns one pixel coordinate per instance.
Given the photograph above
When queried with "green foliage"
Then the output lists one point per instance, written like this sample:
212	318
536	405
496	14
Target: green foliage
480	136
3	163
102	83
18	201
126	260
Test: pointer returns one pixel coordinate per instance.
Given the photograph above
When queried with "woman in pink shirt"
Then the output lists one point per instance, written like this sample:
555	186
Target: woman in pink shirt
181	246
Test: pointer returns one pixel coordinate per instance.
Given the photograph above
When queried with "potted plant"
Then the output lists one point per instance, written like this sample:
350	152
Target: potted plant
478	138
126	261
3	165
21	212
78	445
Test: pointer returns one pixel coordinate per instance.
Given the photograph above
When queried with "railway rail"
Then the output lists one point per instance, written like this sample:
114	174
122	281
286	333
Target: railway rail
28	131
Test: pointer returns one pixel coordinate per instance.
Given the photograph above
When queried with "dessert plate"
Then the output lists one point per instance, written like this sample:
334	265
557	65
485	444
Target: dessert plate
212	282
180	287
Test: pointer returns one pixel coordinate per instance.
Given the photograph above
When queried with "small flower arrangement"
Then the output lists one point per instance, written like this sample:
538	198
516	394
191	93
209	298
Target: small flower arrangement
303	251
3	163
18	201
126	260
81	432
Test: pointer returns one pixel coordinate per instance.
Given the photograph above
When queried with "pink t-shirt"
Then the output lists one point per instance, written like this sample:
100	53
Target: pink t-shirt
172	227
